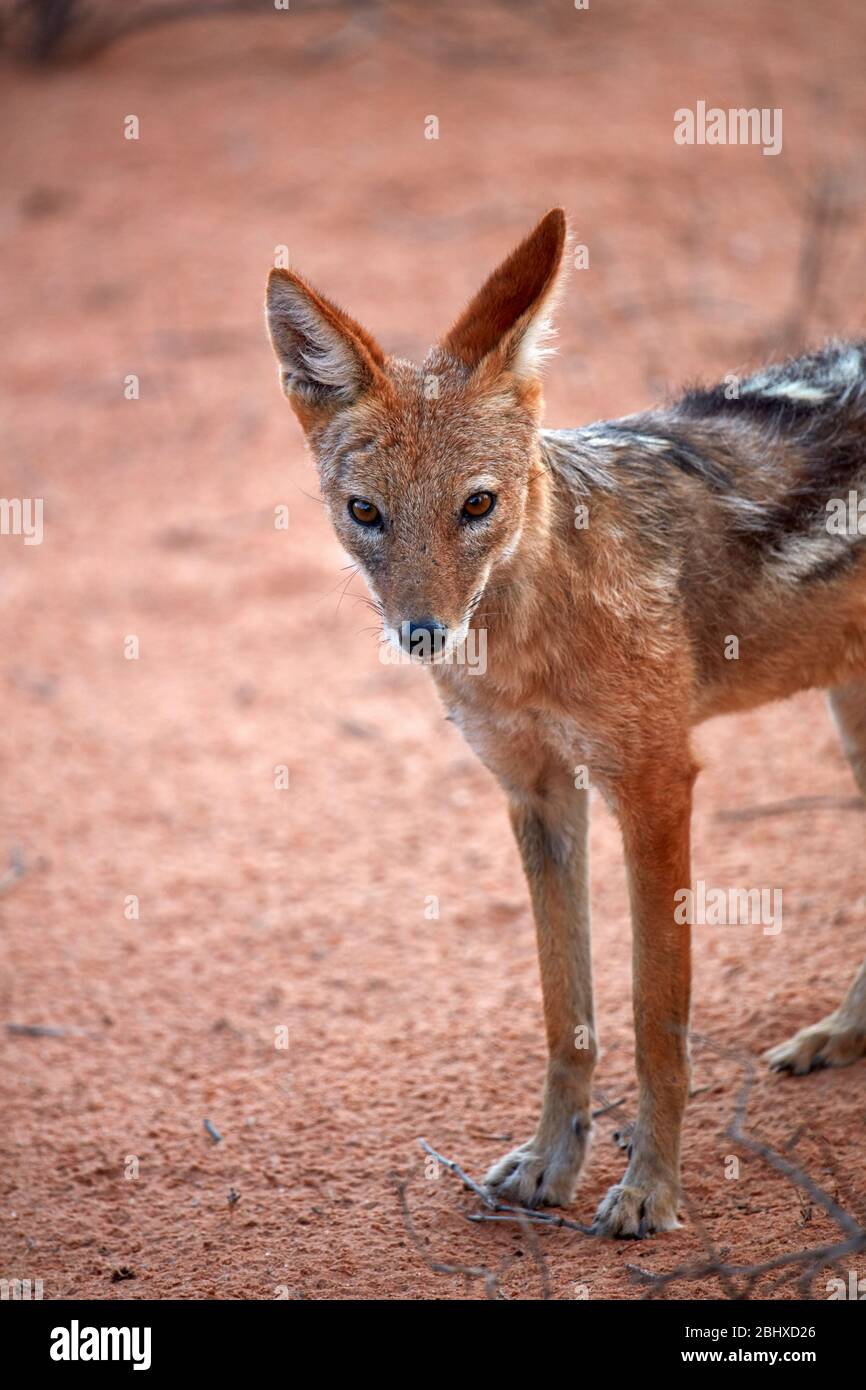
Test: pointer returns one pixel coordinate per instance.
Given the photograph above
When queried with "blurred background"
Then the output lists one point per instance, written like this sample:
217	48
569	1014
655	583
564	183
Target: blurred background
172	912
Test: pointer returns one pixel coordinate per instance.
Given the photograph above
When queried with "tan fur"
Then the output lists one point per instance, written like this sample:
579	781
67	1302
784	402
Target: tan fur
606	645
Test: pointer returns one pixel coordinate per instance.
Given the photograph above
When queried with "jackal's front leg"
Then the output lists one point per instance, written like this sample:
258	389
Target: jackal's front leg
551	831
655	813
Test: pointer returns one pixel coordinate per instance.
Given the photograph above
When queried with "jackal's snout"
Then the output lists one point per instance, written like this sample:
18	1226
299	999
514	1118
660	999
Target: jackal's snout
423	637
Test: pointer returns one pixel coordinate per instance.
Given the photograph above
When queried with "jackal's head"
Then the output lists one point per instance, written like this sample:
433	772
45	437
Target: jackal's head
427	472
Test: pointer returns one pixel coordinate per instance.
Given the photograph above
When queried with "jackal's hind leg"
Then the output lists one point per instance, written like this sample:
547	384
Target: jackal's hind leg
840	1038
837	1041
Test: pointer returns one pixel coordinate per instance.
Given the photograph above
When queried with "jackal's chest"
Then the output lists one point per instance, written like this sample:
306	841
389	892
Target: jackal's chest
523	748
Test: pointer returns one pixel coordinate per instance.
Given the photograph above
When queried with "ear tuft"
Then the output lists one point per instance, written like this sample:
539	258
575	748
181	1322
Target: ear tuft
509	319
326	359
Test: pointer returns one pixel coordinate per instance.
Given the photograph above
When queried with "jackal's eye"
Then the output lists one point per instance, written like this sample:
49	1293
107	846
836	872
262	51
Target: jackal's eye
479	504
366	512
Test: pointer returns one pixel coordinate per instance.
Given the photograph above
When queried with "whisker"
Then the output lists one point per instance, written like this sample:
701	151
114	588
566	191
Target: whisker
343	591
312	496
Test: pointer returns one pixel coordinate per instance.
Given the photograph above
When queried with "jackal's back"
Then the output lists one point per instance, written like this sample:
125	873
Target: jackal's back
727	496
797	432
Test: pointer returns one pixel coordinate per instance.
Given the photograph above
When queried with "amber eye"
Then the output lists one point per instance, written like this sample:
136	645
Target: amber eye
366	512
479	504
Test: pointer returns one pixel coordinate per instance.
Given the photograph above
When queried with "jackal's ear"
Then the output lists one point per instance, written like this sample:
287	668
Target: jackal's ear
505	325
326	359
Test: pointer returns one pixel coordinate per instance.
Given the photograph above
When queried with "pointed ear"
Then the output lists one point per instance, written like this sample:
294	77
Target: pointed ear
326	359
506	323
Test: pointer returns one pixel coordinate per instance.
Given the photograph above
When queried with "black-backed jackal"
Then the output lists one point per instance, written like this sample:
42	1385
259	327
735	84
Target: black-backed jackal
607	640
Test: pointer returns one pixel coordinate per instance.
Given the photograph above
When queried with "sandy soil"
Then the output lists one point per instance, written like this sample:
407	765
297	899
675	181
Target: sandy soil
262	909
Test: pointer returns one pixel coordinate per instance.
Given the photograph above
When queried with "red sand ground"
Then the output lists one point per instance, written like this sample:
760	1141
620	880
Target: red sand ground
304	909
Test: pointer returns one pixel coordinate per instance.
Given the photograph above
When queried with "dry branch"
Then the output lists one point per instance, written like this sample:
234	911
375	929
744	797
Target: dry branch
737	1281
806	1262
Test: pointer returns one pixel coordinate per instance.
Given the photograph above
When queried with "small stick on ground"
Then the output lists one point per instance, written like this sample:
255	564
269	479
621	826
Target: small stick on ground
793	803
502	1211
458	1172
606	1109
526	1216
34	1030
17	869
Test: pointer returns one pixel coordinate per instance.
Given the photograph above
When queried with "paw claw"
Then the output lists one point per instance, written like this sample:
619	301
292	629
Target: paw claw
825	1044
633	1210
540	1175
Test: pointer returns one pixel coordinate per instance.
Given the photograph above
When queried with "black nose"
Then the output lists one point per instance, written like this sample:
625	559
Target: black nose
422	636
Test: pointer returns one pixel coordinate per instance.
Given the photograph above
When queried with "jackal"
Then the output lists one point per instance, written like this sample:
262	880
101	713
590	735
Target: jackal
607	640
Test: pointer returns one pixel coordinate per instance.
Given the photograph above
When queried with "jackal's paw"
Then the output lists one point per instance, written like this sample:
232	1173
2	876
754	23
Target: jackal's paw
637	1209
829	1043
539	1174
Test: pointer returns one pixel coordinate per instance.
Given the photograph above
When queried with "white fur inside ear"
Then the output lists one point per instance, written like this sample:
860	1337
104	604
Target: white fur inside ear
534	344
315	358
532	337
